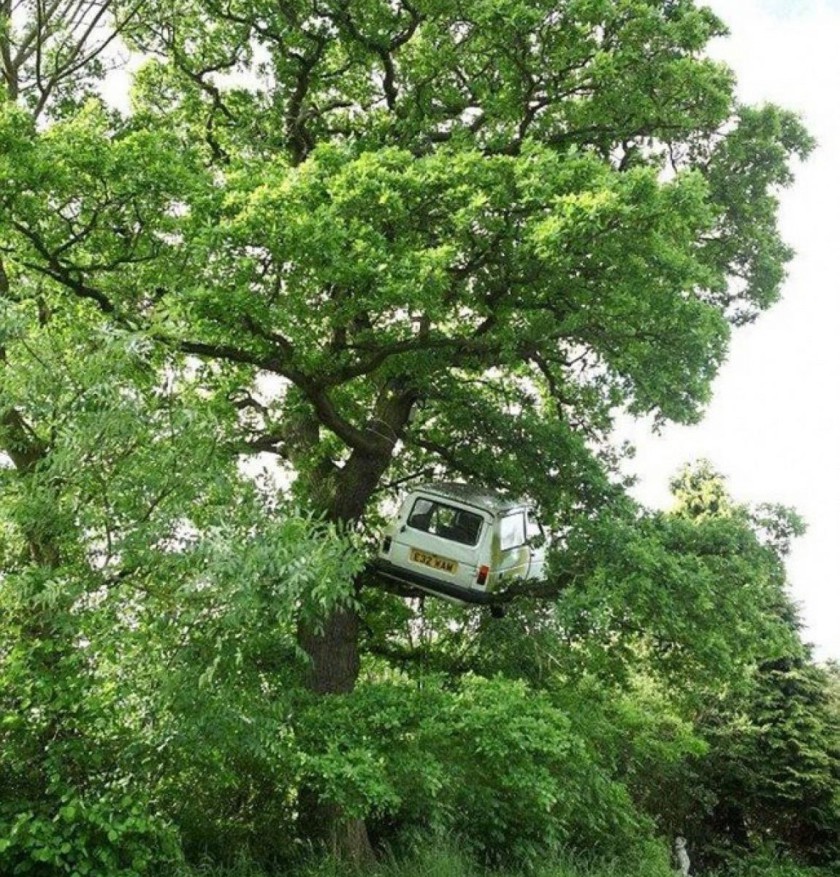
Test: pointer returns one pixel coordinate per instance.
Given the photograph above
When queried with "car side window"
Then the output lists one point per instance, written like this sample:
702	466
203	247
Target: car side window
534	528
512	533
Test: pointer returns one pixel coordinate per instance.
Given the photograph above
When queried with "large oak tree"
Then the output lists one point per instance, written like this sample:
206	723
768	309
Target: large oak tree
388	236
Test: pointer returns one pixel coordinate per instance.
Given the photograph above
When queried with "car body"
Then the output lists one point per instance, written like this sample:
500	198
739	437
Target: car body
462	542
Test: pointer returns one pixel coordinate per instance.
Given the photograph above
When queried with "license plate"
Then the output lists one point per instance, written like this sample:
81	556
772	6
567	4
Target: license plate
432	560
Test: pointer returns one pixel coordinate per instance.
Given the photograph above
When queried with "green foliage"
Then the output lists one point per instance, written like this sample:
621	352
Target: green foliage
141	574
774	765
106	832
373	238
523	245
488	759
678	595
767	863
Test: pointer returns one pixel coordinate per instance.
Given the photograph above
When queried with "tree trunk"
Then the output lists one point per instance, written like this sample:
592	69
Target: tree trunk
333	650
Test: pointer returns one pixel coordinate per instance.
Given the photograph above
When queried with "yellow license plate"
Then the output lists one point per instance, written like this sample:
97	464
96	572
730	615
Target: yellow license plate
433	561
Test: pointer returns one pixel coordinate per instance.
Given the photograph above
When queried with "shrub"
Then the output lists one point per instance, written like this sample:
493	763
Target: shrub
490	760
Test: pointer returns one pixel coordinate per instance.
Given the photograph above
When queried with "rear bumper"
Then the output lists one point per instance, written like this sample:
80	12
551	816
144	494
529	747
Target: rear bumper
430	583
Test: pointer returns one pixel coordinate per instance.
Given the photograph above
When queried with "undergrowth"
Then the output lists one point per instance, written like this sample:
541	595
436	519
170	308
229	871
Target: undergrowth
446	860
439	861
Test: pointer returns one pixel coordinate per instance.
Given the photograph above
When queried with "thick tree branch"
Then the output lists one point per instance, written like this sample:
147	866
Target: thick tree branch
535	589
61	273
300	140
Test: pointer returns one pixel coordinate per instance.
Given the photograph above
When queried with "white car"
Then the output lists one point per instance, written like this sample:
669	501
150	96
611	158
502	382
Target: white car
462	542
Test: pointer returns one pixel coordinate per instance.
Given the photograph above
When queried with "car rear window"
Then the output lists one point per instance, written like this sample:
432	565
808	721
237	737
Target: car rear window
445	521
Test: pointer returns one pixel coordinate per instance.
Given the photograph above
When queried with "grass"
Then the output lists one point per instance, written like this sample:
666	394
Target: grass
439	861
445	860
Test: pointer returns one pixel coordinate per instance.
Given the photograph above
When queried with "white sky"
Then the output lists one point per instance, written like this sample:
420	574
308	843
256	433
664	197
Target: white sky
773	427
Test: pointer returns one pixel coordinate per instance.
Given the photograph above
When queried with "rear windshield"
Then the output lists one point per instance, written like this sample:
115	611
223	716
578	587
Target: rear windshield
445	521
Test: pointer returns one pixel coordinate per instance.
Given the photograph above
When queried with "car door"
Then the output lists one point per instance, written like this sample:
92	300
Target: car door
440	539
514	555
537	544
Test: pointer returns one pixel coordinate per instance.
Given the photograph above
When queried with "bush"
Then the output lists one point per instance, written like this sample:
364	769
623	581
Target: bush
768	863
490	760
111	833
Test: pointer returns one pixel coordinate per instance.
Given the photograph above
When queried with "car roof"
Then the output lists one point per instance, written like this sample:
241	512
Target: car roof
469	494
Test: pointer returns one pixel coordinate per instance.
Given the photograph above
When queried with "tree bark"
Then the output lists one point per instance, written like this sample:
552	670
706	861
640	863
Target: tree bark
333	651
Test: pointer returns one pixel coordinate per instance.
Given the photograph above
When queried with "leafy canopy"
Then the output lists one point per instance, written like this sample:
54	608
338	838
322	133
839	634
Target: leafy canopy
519	216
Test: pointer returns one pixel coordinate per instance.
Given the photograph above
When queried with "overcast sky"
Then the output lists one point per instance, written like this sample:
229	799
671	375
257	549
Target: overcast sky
773	427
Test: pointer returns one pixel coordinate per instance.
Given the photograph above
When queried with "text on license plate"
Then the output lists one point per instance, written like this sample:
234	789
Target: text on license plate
433	561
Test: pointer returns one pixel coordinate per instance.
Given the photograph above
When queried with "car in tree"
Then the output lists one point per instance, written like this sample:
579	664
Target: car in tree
462	542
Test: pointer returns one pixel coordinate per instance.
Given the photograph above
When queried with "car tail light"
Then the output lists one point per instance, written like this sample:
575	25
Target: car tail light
483	572
386	544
